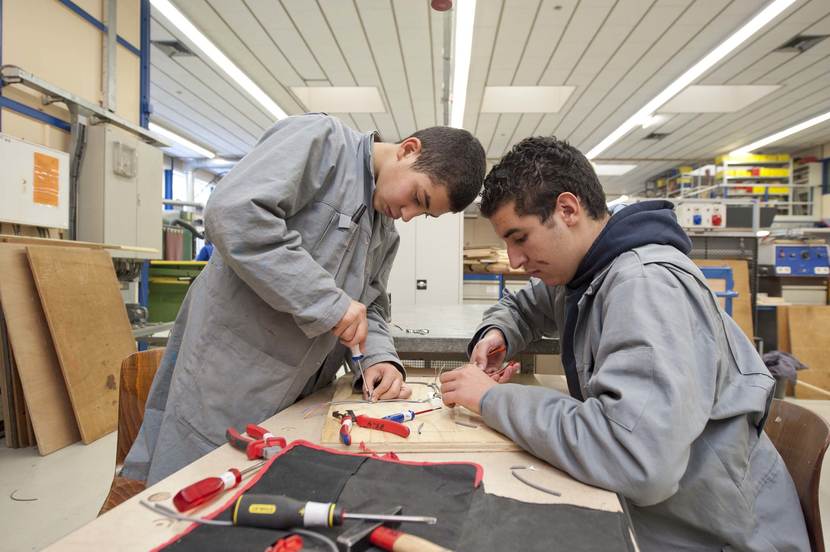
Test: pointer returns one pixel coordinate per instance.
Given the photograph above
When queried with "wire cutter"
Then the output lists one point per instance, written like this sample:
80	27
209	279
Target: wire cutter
349	418
260	444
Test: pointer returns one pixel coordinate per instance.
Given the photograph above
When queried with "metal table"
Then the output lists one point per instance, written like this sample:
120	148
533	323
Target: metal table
450	328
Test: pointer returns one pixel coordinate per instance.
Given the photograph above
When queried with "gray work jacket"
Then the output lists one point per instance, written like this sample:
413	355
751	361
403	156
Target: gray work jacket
676	399
254	332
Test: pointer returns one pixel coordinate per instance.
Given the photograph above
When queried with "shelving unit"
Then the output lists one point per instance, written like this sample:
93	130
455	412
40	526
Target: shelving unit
767	178
806	190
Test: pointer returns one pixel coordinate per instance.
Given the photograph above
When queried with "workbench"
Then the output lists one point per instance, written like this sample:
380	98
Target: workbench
131	526
442	333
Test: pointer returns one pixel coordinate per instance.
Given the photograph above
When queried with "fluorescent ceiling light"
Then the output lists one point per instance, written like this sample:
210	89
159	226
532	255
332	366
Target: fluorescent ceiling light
783	134
739	37
652	120
465	15
182	141
340	99
525	99
612	170
207	47
716	99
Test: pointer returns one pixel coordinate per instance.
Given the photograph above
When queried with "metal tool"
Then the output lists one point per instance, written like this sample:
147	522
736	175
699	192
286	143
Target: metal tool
357	357
349	418
356	538
210	487
260	444
281	512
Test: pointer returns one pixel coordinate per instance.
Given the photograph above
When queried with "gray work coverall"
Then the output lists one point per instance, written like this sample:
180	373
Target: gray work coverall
254	332
676	399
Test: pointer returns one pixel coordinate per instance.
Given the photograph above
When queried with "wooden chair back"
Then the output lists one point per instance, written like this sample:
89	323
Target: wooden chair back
801	438
137	373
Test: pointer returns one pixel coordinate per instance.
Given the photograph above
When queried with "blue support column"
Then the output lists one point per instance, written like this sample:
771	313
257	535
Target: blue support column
144	293
168	187
144	104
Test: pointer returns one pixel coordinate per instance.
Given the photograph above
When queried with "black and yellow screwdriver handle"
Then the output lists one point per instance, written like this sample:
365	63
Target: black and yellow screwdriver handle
281	512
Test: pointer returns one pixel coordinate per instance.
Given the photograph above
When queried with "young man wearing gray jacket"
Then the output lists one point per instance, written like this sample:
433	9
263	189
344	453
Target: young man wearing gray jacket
304	238
668	397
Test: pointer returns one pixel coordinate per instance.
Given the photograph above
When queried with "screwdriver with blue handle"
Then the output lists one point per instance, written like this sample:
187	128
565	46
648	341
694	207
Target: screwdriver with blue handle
357	357
407	415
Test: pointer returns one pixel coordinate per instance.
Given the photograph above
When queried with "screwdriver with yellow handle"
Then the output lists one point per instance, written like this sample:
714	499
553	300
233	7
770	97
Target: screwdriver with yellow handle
281	512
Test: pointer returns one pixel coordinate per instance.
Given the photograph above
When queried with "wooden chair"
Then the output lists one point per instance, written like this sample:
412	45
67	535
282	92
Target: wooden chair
137	372
801	437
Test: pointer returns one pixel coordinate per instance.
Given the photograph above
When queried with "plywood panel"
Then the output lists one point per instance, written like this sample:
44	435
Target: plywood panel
6	387
742	304
43	387
810	342
89	326
440	431
20	418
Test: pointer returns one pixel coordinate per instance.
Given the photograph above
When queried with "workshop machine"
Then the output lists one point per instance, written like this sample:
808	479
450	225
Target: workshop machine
796	270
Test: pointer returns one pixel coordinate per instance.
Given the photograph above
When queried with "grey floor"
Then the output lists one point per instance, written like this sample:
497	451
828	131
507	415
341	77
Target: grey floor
43	498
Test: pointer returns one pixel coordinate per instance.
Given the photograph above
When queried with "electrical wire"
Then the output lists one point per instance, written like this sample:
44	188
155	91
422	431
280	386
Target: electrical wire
436	394
167	512
531	483
324	539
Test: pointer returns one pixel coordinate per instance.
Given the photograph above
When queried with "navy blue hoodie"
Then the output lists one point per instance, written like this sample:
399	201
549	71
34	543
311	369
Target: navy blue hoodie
644	223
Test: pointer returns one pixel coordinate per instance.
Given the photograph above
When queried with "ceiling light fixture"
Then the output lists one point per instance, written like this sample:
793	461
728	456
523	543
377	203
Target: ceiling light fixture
652	120
782	134
208	48
612	170
725	48
465	15
182	141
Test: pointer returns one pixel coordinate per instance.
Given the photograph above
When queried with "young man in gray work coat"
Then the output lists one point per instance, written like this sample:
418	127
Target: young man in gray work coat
668	397
304	238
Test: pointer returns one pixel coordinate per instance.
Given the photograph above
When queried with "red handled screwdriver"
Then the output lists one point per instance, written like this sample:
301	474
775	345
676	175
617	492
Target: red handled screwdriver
208	488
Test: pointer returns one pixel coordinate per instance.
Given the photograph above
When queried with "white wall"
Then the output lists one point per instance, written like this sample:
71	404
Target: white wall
430	250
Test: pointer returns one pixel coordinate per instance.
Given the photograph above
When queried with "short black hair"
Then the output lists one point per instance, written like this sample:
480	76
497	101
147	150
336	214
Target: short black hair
453	158
535	172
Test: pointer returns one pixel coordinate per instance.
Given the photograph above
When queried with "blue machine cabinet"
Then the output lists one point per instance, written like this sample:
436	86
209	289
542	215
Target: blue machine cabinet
801	260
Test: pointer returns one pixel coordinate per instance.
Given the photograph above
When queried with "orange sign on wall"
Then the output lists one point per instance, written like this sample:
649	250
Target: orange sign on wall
45	190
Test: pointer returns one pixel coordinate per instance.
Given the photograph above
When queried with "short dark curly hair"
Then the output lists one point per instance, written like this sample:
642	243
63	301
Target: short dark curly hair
535	172
454	158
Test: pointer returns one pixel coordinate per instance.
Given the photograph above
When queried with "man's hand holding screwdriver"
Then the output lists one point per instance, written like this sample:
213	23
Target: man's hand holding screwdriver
383	380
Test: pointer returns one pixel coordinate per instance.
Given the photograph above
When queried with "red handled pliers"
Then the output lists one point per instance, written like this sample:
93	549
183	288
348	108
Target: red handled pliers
349	418
260	444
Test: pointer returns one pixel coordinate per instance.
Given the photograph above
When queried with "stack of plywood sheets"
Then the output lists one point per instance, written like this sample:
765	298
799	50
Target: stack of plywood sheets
32	356
445	430
67	332
486	259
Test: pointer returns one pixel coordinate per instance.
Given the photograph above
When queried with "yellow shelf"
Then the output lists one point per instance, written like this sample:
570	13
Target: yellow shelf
749	158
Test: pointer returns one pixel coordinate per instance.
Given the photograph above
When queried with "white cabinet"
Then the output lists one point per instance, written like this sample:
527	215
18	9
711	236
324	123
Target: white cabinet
34	184
427	268
119	195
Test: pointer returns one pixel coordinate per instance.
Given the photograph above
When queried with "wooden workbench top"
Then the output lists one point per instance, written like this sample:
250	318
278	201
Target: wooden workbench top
130	526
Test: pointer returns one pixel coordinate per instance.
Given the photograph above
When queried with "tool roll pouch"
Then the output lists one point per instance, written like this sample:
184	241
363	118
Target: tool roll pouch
468	518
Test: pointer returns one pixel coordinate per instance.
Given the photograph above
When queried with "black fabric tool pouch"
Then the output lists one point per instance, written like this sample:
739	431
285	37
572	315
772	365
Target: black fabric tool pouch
468	518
